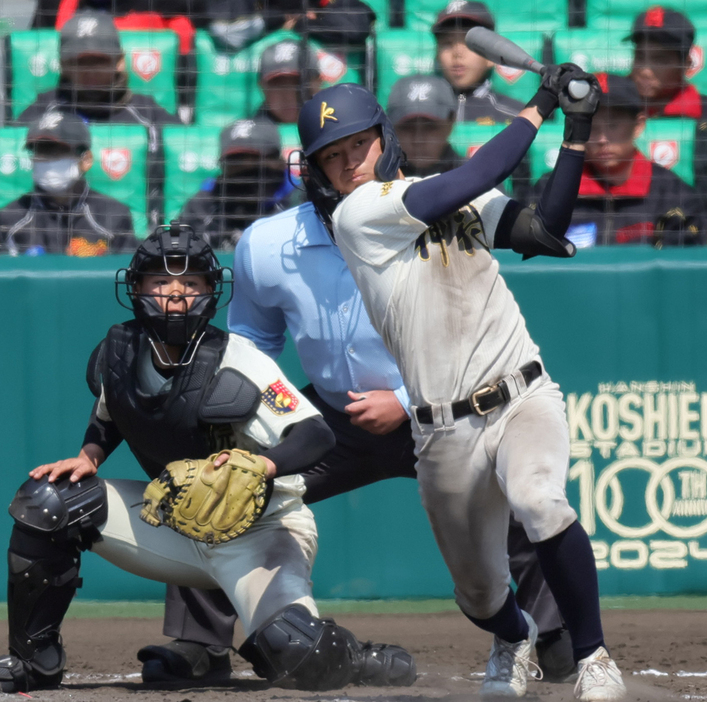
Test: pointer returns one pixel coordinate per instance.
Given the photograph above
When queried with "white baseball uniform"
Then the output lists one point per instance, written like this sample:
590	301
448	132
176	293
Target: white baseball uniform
436	297
263	570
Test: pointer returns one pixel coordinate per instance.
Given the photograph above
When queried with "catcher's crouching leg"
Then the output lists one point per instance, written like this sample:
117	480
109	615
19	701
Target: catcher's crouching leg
53	523
295	649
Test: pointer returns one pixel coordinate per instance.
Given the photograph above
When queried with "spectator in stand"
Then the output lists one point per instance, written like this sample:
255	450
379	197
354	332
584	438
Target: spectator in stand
62	214
253	183
181	16
94	80
467	72
422	109
470	76
623	197
663	39
94	84
288	77
340	25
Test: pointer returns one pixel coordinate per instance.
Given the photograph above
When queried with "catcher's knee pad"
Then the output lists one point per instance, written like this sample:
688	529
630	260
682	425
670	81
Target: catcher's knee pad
71	511
296	649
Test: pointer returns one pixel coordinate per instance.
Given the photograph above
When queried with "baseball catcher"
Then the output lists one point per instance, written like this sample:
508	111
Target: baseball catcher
223	435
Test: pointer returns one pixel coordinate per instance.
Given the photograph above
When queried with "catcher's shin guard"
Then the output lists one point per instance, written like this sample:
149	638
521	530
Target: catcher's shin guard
295	649
53	522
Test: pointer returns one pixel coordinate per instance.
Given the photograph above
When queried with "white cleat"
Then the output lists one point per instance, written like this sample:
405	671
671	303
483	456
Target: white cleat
507	669
599	679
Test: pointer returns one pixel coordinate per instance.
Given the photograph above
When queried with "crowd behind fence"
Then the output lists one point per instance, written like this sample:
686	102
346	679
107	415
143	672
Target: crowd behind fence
189	110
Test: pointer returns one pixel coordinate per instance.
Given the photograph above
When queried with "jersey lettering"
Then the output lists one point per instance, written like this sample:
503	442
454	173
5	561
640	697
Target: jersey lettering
464	225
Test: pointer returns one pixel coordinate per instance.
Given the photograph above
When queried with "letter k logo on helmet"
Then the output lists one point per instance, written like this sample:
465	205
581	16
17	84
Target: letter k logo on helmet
326	113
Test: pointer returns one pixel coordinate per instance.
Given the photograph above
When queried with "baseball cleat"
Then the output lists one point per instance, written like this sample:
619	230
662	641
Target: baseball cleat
17	675
555	657
599	679
184	660
507	669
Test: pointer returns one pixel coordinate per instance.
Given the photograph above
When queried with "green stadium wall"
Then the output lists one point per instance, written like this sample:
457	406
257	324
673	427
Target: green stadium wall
624	332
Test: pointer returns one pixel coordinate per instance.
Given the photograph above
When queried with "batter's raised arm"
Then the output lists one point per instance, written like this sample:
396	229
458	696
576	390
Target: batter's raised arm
433	198
542	231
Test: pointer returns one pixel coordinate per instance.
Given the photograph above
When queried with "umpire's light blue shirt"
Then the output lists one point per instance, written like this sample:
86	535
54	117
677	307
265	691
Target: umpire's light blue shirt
290	275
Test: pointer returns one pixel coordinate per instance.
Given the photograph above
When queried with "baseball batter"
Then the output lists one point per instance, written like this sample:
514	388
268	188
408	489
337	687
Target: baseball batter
488	423
172	386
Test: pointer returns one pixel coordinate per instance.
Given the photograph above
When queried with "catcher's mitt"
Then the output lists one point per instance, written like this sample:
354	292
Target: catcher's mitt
207	503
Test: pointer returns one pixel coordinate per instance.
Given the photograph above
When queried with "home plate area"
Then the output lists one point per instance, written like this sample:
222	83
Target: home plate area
662	654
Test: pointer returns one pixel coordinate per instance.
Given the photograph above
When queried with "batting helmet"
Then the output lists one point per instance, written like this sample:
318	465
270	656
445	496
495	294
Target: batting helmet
343	110
335	113
174	250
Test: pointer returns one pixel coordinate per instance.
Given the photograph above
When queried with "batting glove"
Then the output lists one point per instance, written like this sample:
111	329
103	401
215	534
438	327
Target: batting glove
579	112
547	97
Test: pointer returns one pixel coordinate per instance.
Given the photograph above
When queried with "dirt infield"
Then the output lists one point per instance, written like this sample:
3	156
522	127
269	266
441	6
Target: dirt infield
663	655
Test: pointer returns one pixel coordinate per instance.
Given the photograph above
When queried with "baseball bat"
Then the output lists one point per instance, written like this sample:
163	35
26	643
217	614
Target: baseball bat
494	47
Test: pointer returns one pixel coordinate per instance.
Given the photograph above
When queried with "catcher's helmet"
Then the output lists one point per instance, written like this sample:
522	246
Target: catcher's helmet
174	250
335	113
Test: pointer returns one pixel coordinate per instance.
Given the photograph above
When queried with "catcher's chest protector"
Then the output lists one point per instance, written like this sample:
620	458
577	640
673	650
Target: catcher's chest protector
176	423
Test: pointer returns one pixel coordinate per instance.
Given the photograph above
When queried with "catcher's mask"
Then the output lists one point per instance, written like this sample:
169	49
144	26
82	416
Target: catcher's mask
335	113
174	250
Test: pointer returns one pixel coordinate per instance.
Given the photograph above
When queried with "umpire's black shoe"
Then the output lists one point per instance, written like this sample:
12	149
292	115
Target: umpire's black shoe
17	675
180	660
555	657
384	665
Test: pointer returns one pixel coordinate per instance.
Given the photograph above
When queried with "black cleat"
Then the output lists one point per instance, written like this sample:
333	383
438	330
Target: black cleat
17	675
555	657
179	661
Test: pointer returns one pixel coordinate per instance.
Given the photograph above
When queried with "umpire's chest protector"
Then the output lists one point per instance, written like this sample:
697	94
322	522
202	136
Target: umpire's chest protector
179	422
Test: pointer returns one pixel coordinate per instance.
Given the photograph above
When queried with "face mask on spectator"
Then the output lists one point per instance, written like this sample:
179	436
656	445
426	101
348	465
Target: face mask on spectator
57	176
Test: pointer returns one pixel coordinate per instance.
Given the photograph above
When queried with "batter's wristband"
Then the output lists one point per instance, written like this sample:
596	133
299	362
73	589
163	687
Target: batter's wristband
545	100
577	129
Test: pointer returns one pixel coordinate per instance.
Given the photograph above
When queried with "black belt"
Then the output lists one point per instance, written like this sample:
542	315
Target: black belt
485	399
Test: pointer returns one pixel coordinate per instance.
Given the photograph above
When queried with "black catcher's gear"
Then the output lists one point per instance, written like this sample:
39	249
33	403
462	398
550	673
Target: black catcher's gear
297	650
294	649
192	417
335	113
174	250
74	508
54	522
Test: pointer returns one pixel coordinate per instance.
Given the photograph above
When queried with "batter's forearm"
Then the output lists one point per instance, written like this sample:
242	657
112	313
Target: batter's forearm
560	194
433	198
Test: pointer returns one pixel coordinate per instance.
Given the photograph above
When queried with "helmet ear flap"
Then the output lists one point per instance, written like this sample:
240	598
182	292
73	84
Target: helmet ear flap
390	161
320	191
